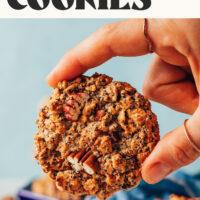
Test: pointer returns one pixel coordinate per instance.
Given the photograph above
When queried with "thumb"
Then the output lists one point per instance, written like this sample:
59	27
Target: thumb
172	152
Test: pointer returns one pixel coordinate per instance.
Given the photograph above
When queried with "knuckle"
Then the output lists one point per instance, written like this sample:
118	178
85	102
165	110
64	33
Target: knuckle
181	156
149	91
107	29
166	41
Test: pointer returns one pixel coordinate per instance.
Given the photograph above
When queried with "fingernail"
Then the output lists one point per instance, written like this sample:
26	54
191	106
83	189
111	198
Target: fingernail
158	172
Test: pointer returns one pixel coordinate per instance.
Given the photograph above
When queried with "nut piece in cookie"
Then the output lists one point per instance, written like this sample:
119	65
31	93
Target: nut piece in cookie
82	160
94	134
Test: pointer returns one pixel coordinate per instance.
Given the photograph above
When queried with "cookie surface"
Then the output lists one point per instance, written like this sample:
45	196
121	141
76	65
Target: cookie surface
45	186
93	135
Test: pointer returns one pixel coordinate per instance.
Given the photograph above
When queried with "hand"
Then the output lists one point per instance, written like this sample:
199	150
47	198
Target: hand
173	79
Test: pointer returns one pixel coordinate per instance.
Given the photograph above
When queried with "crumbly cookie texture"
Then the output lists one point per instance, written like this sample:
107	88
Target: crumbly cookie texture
94	134
45	186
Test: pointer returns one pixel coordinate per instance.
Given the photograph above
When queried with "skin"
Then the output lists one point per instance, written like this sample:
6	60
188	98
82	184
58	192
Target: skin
173	79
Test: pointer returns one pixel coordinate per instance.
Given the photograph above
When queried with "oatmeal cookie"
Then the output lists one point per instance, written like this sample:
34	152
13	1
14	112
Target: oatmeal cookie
45	186
94	134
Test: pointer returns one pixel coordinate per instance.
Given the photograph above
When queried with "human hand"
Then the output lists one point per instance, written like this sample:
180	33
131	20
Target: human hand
173	79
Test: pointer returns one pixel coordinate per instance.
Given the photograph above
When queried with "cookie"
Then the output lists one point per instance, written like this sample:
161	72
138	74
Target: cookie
94	134
45	186
176	197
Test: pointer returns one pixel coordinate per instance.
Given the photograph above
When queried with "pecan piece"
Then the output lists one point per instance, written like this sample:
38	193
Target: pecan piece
73	106
83	160
85	157
70	158
73	158
90	165
78	156
99	114
71	113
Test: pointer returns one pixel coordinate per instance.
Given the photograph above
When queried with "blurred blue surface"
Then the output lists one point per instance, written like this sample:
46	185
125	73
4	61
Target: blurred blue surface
29	49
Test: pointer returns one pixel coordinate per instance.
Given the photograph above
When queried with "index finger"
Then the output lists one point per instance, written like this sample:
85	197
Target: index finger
124	38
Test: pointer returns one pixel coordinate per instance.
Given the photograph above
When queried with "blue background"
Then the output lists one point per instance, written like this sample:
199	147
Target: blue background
29	49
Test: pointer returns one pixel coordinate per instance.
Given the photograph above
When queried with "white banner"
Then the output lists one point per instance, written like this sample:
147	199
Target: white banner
99	8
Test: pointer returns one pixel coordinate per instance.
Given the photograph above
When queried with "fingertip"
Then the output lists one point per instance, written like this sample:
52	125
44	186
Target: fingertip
156	172
48	80
51	79
148	180
147	177
156	167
